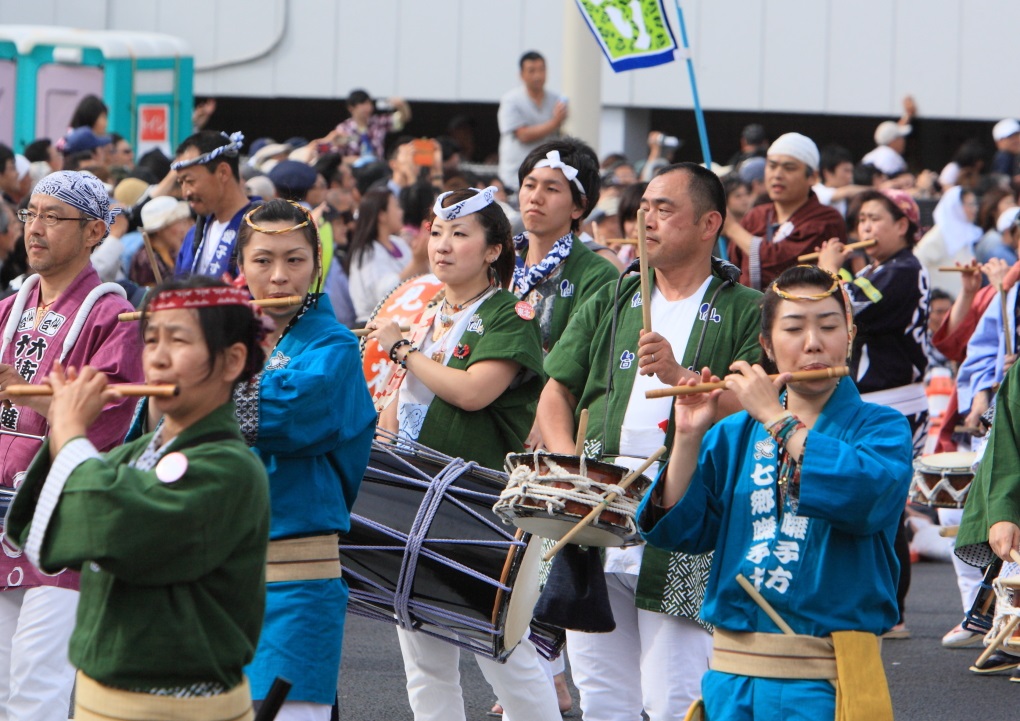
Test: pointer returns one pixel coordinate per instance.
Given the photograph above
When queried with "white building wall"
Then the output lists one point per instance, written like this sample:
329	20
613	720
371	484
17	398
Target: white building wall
812	56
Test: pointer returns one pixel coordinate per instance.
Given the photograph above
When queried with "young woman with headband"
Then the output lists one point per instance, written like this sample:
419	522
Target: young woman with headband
798	494
467	385
311	422
169	531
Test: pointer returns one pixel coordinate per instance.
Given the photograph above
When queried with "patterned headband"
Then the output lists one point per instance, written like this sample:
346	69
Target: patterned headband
200	298
230	148
481	199
552	160
81	190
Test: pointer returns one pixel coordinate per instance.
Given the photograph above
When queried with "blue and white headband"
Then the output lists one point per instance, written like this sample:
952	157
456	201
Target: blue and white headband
232	147
552	160
481	199
80	190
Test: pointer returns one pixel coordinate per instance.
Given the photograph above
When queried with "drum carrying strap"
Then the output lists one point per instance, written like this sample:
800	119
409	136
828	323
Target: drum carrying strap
303	559
96	702
852	658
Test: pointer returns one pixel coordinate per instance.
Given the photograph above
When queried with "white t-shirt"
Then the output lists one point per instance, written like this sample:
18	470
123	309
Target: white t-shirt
377	274
415	396
641	434
825	193
211	243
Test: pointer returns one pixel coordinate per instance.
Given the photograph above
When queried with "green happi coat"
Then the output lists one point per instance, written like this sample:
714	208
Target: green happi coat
671	583
994	494
172	570
565	290
488	434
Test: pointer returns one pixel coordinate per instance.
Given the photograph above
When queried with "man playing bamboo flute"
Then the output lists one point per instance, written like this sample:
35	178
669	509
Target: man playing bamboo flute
655	658
61	313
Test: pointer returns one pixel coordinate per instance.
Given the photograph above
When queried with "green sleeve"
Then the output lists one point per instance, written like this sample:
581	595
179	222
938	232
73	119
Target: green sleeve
506	336
994	494
569	361
150	532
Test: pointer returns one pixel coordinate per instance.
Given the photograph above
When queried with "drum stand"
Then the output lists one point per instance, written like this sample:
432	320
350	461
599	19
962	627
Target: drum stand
1004	590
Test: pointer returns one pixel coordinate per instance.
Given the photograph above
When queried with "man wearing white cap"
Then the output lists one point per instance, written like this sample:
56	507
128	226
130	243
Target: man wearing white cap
770	237
1006	135
61	313
891	141
165	222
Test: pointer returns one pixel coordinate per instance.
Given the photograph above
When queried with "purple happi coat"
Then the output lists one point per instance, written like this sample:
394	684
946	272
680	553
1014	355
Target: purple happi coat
79	329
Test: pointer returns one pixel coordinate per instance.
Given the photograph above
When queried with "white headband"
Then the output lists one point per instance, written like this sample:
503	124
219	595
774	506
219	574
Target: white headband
481	199
552	160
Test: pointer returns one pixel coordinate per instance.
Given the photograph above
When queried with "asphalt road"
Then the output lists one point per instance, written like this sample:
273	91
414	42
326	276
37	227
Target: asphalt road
927	682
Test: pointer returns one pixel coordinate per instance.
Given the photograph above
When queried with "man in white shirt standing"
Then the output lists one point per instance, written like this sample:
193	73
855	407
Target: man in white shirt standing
528	116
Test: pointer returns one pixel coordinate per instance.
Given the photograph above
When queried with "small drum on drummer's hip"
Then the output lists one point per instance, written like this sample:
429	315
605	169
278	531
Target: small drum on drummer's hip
549	493
942	480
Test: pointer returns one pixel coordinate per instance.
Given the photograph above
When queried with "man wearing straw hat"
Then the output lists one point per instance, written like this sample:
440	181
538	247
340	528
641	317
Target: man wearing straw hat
700	316
772	235
61	313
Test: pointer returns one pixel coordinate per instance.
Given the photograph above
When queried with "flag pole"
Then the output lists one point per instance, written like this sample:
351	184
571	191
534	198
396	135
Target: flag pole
698	115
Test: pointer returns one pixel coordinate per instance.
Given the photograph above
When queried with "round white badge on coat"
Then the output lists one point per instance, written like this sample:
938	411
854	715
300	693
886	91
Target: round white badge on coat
172	467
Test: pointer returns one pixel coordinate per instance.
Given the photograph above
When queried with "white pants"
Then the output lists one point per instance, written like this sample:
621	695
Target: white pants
303	711
433	681
35	676
651	661
968	578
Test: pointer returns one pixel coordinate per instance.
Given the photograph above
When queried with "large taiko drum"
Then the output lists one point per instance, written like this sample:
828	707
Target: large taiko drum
942	480
426	551
548	493
403	305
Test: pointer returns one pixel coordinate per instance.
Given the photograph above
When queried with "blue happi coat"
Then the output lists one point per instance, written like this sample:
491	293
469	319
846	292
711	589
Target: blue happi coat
829	566
315	424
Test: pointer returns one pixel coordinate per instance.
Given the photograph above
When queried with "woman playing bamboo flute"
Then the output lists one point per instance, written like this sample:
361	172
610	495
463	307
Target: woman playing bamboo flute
800	493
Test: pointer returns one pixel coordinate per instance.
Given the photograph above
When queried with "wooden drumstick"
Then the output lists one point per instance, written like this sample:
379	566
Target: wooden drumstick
705	387
582	431
151	254
284	302
362	332
765	606
959	269
949	531
125	389
808	257
646	292
606	500
1007	331
969	430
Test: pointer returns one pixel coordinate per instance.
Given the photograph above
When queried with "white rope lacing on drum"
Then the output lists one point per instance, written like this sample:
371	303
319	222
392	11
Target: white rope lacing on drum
409	612
1007	587
532	484
930	493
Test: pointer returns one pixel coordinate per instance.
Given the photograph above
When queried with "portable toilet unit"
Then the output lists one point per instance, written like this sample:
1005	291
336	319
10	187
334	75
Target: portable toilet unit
145	79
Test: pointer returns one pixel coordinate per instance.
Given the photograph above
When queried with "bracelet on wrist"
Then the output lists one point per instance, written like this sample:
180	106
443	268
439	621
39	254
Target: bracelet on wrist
397	346
410	349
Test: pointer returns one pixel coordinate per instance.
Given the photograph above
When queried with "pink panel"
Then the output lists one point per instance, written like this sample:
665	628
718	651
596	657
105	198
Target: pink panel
59	88
8	75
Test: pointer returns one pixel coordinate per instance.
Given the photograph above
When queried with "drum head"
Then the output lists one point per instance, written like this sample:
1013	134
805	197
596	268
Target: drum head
960	461
540	523
517	613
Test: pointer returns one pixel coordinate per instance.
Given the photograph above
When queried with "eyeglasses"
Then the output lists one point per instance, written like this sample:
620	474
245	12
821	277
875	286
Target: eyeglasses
48	219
